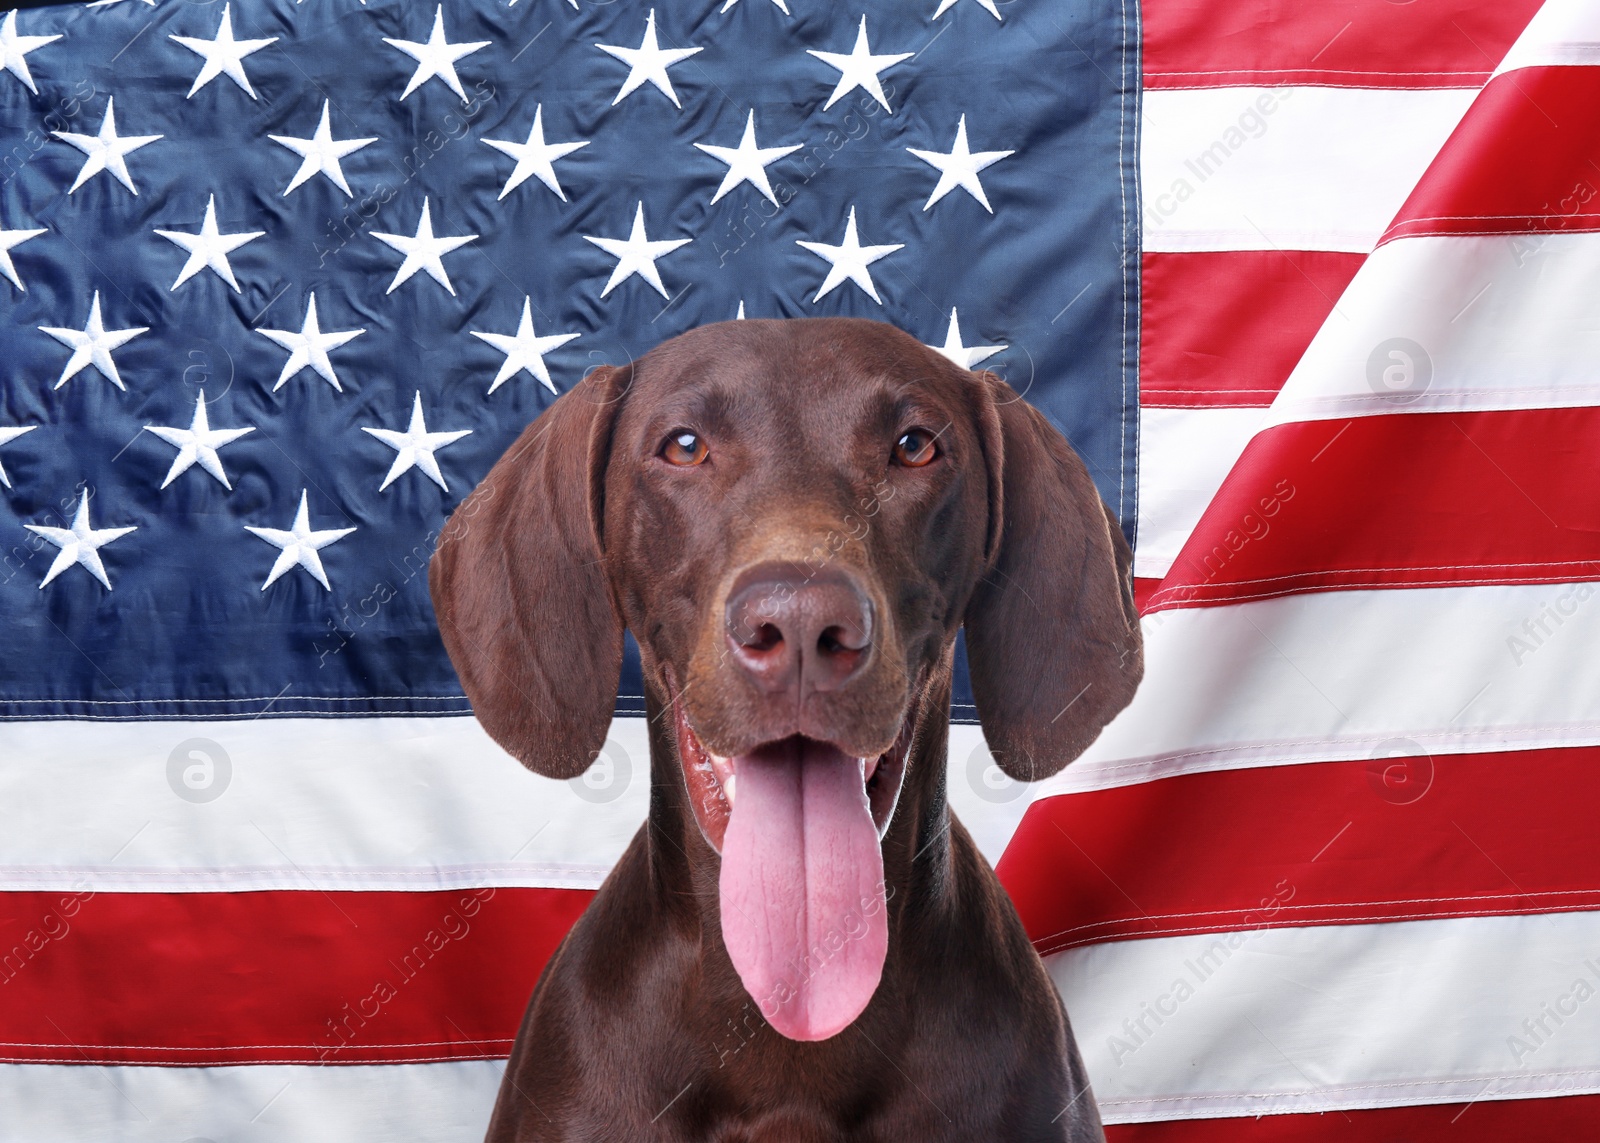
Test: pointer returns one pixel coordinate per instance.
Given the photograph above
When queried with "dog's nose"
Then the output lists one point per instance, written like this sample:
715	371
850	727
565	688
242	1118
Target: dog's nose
794	628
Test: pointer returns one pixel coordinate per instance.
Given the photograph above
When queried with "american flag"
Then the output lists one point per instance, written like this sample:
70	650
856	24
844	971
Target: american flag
283	281
1309	287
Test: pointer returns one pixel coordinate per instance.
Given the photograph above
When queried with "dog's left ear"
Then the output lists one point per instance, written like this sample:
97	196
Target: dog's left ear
1053	639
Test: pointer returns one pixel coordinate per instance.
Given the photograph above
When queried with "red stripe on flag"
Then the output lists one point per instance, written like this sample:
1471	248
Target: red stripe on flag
1344	43
1382	840
1411	500
1227	327
1485	1121
1525	159
274	977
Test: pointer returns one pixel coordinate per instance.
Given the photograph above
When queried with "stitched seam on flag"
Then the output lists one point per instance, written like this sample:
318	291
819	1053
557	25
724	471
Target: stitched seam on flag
1237	235
1431	403
1394	234
1131	89
227	717
251	698
245	717
198	716
1046	947
1320	743
1218	391
1323	1089
263	698
1492	217
1288	576
1340	905
87	1057
265	1047
1229	80
1353	85
1398	232
1307	71
1342	585
321	871
1124	923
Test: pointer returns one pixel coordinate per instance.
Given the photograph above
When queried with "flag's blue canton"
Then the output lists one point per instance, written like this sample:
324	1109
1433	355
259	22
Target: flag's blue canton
1043	100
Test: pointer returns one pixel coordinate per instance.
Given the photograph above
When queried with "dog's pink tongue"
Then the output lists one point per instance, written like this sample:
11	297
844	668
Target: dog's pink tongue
803	913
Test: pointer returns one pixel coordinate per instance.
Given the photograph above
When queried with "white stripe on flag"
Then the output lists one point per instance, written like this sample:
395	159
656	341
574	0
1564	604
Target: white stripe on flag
352	803
1184	454
1339	1016
374	1103
1331	676
1457	300
1297	168
1561	33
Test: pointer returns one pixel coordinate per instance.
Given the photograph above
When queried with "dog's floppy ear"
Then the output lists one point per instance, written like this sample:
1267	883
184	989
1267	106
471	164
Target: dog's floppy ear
1053	640
520	591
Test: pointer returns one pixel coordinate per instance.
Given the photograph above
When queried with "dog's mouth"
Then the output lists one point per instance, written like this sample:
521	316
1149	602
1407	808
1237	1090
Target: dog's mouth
798	824
713	781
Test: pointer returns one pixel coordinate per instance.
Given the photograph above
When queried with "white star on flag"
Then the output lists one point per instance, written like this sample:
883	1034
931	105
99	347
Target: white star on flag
740	315
415	447
309	347
747	163
524	349
198	444
209	249
92	345
299	545
782	7
636	254
437	57
850	260
79	544
649	61
535	157
8	434
986	5
14	50
966	356
423	251
859	69
10	240
106	151
224	55
320	154
959	168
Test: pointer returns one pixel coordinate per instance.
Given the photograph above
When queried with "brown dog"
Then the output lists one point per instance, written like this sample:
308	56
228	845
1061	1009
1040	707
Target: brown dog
801	944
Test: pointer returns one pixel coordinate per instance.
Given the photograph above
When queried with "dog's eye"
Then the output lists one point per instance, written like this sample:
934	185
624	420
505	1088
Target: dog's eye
684	448
916	448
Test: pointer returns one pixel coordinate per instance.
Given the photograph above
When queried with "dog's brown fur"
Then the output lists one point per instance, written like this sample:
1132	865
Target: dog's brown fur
639	1028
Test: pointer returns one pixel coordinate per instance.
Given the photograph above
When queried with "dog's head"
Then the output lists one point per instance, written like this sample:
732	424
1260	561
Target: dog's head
793	518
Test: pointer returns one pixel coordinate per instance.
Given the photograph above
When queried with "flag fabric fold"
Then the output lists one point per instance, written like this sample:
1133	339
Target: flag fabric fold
1330	876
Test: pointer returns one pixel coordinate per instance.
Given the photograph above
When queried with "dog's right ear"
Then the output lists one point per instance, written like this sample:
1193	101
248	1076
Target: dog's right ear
520	589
